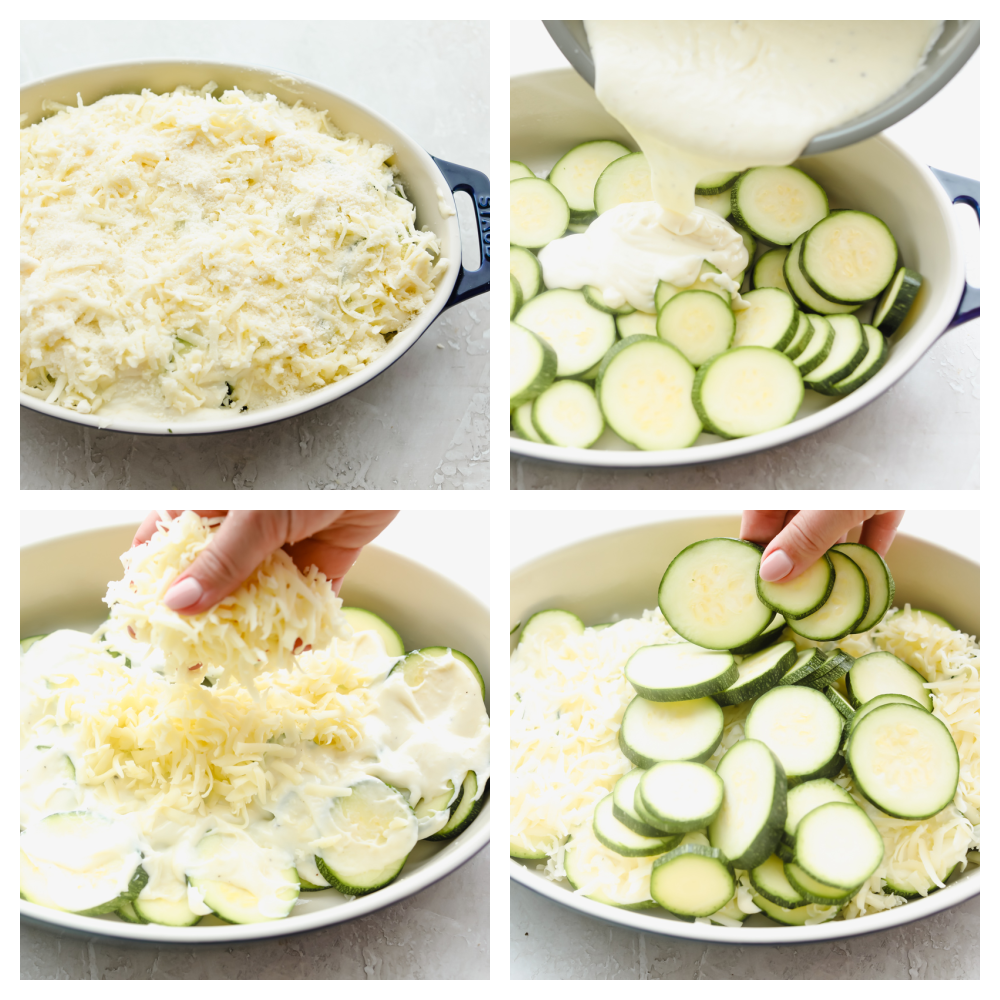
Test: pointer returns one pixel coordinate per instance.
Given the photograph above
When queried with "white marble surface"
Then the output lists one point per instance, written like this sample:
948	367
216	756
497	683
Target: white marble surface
439	933
424	423
922	434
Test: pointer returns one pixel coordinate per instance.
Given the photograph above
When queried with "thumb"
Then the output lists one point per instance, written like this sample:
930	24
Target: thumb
804	539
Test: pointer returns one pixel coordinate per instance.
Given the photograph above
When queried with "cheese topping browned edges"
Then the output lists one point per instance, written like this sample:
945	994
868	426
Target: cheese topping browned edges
276	613
186	255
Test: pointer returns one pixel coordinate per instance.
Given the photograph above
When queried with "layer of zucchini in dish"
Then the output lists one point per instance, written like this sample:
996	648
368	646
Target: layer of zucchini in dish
165	798
707	358
719	757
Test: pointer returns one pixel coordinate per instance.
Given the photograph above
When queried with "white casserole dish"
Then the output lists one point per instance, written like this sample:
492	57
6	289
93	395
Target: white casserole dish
627	567
424	607
427	182
553	111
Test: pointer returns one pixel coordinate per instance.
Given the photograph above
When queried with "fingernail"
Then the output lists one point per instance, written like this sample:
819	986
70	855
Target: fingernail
776	566
183	594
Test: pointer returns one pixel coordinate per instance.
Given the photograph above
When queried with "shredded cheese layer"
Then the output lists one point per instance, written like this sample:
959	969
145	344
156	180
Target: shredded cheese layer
183	253
569	694
273	615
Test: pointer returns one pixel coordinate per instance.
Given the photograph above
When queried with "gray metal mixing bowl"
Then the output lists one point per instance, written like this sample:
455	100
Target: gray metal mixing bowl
957	42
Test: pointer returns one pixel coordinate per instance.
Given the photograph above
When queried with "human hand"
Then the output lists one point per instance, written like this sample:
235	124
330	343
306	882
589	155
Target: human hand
330	540
795	539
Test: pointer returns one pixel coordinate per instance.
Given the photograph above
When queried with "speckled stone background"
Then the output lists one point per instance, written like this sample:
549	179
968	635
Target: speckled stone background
921	434
424	423
945	946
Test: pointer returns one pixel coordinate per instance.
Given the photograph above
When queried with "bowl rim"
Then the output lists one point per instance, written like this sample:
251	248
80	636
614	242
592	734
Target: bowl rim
665	926
401	342
934	326
446	860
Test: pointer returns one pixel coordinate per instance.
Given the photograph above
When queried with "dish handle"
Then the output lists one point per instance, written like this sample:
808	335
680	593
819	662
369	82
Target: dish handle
964	191
477	186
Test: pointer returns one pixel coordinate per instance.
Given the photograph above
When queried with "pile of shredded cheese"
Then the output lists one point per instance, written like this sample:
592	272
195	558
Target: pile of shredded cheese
568	698
275	614
183	253
188	748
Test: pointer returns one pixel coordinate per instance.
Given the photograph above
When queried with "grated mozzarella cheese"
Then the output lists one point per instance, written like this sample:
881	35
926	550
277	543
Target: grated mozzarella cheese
182	253
275	612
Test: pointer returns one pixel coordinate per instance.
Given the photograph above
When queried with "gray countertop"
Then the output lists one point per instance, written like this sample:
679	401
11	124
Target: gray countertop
424	423
440	933
944	946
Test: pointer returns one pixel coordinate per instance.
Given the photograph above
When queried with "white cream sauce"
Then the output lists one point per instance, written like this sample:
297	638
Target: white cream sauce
417	740
701	97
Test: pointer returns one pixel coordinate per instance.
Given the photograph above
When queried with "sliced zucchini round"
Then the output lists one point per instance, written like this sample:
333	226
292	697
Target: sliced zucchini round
127	913
464	810
538	213
617	837
796	916
769	271
522	424
361	620
883	673
525	267
708	596
849	256
769	879
596	298
801	728
692	881
721	203
748	390
802	338
881	587
803	292
623	804
817	350
416	664
698	323
815	891
567	414
917	883
652	731
579	334
625	179
665	290
519	170
679	671
168	912
838	845
801	596
716	183
904	760
533	365
80	862
644	388
771	319
768	637
836	664
839	702
551	626
752	817
869	365
778	204
806	663
802	799
680	796
877	702
636	324
239	881
848	351
897	301
845	608
758	673
610	876
577	172
515	296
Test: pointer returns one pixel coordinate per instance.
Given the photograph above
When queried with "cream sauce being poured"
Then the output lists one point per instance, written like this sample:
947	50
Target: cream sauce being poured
707	96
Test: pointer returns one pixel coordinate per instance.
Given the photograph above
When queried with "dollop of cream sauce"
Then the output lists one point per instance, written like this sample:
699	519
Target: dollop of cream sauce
701	97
